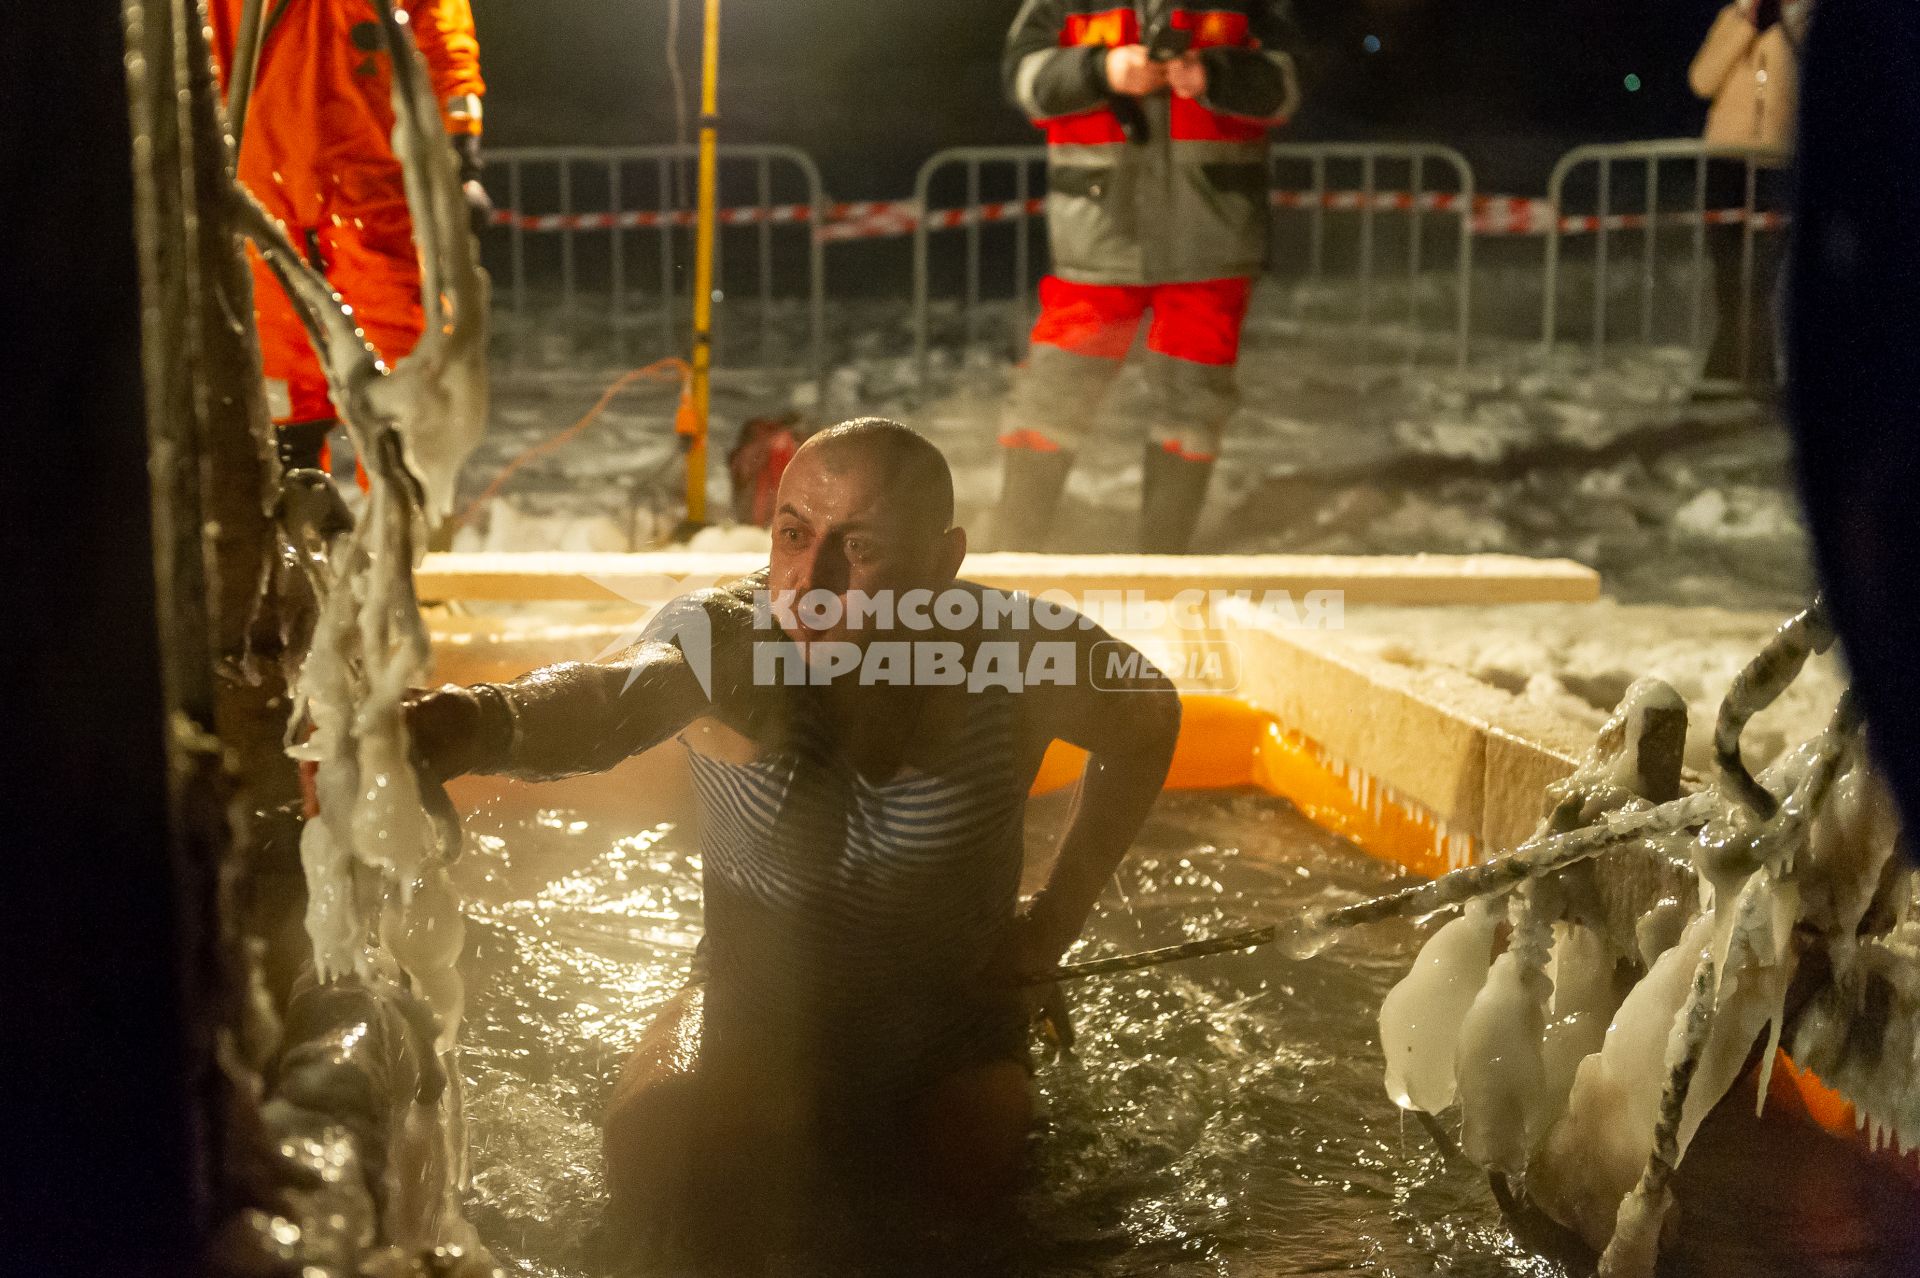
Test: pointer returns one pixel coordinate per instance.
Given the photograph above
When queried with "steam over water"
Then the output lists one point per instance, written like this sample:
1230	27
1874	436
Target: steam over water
1223	1116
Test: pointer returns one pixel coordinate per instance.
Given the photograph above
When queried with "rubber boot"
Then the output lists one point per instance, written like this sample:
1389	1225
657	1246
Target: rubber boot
1173	489
303	445
1030	488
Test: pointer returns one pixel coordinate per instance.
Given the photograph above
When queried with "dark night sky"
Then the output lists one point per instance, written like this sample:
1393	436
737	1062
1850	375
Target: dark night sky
872	88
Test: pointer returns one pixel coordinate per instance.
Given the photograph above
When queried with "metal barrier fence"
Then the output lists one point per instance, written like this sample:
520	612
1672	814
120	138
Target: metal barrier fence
617	241
1627	196
1376	195
607	231
1020	174
1005	185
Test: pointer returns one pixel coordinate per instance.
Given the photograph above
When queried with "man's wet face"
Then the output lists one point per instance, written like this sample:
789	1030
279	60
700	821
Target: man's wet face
842	525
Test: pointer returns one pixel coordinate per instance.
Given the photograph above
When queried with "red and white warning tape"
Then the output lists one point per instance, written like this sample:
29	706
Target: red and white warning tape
881	219
633	219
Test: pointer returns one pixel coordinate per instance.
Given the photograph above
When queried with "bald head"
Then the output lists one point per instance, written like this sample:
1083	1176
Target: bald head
905	463
867	507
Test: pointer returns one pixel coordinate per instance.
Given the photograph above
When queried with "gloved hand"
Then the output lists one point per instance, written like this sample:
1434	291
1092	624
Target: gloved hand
466	146
455	730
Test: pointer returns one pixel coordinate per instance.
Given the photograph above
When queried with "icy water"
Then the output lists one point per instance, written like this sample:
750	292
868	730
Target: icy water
1224	1116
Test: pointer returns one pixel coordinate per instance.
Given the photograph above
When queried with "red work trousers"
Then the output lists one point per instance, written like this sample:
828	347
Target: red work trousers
369	257
1082	337
1198	321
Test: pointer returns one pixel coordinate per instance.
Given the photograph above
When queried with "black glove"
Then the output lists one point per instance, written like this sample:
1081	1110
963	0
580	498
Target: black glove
456	730
466	147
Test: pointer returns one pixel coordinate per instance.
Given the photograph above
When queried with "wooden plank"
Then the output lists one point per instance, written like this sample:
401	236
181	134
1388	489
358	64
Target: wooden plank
1477	758
1364	579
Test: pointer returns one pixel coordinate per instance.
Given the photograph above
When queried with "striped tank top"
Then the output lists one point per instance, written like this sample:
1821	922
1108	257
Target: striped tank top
849	922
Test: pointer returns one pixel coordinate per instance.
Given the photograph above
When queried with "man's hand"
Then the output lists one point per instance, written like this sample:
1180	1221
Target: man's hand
1187	75
449	732
1033	948
466	147
1132	72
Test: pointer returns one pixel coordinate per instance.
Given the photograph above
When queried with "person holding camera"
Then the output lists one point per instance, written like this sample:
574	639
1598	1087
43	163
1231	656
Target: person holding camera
1747	68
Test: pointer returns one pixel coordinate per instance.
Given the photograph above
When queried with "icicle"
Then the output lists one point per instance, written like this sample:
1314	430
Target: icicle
334	926
375	857
1420	1017
1583	1004
1593	1155
1505	1106
1635	1244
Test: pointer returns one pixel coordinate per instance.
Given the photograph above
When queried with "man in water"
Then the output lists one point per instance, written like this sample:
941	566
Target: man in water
863	986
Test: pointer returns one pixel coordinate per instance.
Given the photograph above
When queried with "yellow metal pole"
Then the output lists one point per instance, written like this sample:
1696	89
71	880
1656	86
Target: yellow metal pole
703	268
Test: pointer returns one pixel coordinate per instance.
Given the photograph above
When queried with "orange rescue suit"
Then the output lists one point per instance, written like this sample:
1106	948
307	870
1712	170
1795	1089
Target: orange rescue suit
318	153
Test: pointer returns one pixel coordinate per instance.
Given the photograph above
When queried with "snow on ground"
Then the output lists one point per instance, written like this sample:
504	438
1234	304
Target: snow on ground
1685	507
1577	660
1341	447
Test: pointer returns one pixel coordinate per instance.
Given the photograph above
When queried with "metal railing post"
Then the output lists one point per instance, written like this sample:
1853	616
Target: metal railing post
1651	249
1022	267
566	238
1699	249
1367	187
1416	191
1652	153
616	258
763	237
818	205
517	246
1747	272
1550	266
918	318
1600	266
1317	223
1469	191
972	216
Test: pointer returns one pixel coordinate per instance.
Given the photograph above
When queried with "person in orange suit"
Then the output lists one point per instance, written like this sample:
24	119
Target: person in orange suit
316	150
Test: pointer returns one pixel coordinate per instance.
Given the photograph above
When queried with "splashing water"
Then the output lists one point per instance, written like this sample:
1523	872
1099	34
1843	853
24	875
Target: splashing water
1219	1117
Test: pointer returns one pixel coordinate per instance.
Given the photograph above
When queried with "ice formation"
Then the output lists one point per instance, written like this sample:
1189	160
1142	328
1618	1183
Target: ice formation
1581	976
1595	1150
1500	1053
383	919
1587	1101
1421	1016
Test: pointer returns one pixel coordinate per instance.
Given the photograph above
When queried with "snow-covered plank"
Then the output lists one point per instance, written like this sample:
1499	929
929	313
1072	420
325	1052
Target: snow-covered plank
1362	579
1473	757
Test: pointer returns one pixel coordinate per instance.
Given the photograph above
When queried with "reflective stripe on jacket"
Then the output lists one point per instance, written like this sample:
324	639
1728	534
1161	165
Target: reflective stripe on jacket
1186	200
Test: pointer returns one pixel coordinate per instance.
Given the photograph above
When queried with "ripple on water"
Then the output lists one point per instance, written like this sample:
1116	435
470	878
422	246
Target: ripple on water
1222	1116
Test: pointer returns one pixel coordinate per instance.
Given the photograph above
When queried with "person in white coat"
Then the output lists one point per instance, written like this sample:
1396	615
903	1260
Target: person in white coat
1747	68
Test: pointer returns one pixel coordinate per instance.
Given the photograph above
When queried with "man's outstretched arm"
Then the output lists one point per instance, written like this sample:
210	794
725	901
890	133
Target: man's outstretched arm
1128	726
582	716
558	721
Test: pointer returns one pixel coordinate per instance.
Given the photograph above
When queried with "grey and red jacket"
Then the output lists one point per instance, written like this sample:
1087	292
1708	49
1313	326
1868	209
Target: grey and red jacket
1186	198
